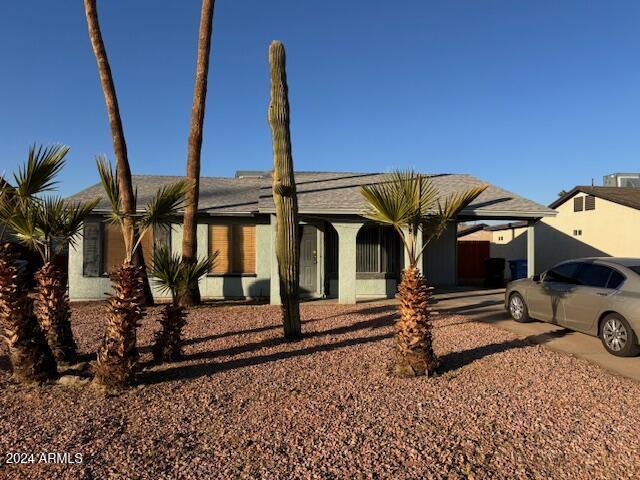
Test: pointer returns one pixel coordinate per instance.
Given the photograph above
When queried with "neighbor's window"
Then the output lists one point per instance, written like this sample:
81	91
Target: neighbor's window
378	250
578	204
236	244
589	202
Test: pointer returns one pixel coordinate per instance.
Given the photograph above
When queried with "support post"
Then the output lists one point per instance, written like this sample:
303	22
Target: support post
347	233
531	248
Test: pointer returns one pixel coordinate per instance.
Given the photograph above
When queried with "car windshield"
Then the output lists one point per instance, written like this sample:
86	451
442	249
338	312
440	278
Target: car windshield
635	268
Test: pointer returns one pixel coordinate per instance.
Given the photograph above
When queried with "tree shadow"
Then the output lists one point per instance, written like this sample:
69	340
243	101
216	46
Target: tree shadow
194	371
5	364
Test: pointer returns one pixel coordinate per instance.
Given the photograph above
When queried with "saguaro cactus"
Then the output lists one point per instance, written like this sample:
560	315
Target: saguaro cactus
284	193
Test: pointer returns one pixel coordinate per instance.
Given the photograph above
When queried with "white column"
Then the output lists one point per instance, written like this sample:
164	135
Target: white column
347	233
274	287
531	248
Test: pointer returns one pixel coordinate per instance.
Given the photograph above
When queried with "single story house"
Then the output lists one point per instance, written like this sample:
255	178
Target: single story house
590	222
343	255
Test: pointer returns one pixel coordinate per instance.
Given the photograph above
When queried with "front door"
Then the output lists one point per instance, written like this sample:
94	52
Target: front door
308	259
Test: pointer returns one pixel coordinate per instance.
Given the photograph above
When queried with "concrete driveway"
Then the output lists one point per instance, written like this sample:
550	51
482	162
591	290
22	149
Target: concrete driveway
488	306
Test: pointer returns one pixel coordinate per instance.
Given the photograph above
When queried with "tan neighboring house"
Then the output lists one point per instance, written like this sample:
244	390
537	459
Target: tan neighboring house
591	222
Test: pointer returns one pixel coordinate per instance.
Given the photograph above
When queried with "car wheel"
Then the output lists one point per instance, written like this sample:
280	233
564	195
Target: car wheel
518	308
618	337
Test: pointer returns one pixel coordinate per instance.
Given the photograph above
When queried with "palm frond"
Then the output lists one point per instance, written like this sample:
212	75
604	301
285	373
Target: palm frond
109	180
191	272
166	270
387	203
165	204
25	227
38	173
74	217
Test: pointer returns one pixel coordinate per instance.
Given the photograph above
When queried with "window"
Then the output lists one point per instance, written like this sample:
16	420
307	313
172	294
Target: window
589	202
578	204
594	275
564	273
500	239
635	268
615	280
577	233
378	250
236	244
104	246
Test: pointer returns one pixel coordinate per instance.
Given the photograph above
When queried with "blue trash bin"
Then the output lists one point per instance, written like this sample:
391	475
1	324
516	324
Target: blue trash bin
518	269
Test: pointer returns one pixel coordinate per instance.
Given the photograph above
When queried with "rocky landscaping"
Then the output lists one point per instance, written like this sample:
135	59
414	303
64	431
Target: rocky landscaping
245	404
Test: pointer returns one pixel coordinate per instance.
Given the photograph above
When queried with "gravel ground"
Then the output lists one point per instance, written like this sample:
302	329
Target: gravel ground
244	404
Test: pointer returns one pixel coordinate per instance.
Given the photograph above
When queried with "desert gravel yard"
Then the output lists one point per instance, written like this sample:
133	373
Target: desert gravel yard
244	404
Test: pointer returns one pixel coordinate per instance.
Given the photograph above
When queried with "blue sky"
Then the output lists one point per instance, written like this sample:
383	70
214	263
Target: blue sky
534	96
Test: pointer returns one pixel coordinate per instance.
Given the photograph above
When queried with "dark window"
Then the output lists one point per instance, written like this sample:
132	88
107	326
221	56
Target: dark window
635	268
615	280
378	250
578	204
594	275
589	202
565	273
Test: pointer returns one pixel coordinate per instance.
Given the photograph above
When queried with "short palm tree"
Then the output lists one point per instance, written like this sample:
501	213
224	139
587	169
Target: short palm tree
46	226
176	277
30	355
410	203
118	355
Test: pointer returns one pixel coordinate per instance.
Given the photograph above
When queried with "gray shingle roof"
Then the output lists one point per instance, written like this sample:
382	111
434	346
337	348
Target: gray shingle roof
322	192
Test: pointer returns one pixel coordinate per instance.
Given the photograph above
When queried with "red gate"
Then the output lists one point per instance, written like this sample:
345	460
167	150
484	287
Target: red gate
471	257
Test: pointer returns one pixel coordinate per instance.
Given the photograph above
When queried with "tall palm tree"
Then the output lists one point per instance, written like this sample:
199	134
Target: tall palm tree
174	276
189	235
410	203
125	184
30	355
46	226
118	355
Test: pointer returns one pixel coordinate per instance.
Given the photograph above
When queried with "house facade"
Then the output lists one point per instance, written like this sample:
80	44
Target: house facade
590	222
343	255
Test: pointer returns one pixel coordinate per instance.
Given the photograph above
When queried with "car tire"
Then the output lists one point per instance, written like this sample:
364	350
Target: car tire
518	308
617	336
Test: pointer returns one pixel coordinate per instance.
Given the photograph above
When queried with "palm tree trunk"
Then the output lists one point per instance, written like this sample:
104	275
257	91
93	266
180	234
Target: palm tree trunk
30	356
414	350
125	185
189	235
118	355
168	342
53	312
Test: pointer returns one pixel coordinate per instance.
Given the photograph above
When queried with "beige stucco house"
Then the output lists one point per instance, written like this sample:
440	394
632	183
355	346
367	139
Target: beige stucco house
590	222
342	254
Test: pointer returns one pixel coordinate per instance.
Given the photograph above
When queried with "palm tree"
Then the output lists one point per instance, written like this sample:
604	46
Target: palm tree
118	355
46	226
174	276
189	236
411	204
30	355
125	184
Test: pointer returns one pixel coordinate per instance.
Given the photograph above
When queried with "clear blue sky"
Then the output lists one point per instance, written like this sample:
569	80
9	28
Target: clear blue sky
534	96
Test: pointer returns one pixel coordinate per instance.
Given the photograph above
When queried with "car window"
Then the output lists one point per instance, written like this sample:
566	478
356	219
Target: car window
615	280
564	273
594	275
635	268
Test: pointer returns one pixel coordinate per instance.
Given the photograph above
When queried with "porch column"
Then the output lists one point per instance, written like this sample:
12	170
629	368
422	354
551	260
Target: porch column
274	287
418	248
531	248
347	233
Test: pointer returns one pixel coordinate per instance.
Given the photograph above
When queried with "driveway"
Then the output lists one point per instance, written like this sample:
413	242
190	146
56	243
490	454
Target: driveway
488	306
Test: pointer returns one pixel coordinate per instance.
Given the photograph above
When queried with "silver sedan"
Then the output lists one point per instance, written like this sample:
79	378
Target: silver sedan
596	296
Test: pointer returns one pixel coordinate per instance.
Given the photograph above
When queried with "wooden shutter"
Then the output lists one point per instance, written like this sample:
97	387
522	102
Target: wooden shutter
589	202
244	249
578	204
219	240
162	236
92	249
113	247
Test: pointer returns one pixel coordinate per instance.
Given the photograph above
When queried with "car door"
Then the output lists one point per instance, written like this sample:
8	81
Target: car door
586	302
544	299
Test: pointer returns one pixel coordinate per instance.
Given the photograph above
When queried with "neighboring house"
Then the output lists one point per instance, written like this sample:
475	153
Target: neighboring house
342	254
591	222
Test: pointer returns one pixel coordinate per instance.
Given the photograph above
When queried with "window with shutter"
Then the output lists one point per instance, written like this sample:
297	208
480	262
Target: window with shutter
378	250
114	251
589	202
92	249
236	244
578	204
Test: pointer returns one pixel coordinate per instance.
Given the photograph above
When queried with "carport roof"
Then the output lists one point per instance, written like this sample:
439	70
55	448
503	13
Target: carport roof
325	193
